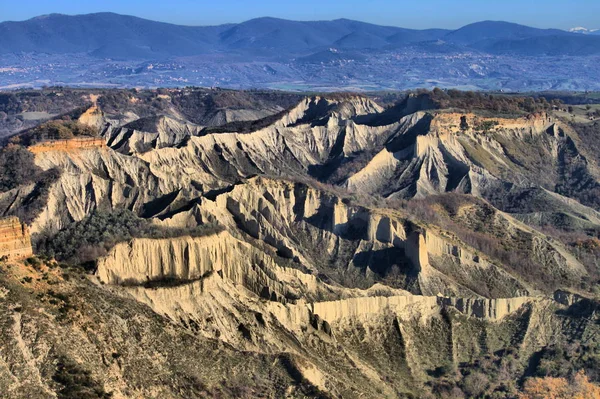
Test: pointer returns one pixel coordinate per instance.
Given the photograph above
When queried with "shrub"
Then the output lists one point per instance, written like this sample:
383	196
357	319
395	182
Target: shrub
475	384
34	262
17	167
560	388
486	126
498	103
77	382
56	130
565	360
10	104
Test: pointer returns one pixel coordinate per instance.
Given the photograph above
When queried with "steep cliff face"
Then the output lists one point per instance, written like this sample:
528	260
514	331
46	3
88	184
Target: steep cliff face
357	246
331	140
15	241
300	142
465	153
200	165
94	178
144	261
149	133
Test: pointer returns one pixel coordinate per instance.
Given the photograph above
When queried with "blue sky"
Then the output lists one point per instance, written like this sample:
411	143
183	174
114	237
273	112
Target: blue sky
411	14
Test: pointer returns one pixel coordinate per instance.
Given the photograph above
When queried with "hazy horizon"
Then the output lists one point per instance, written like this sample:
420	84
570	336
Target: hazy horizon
437	13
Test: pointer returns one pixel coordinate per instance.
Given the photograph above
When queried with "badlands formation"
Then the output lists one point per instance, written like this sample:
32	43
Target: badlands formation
322	280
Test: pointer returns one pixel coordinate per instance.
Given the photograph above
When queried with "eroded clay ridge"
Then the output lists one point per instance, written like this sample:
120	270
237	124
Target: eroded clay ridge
143	261
15	240
415	155
221	256
413	305
284	214
299	222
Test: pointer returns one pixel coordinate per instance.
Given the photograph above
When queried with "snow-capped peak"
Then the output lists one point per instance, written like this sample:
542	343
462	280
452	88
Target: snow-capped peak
581	29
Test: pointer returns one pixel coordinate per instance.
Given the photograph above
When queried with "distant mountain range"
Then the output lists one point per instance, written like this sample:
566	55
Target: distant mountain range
112	50
109	35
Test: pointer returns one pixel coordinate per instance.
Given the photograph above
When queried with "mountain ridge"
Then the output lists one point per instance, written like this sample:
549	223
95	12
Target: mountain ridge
112	50
111	35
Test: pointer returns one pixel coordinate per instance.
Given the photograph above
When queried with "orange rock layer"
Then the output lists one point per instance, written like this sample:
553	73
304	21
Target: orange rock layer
80	143
15	240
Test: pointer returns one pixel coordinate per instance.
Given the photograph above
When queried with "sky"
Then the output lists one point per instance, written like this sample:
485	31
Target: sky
418	14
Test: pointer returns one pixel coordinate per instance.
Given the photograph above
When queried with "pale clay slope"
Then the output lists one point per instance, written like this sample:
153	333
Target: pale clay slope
216	160
164	132
427	160
129	179
278	221
102	177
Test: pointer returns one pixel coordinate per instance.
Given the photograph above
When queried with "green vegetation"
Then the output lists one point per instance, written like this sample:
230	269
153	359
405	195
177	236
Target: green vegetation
498	103
63	130
580	114
10	104
485	126
77	382
245	126
84	241
589	134
500	370
480	231
55	130
572	98
566	359
195	103
18	170
18	167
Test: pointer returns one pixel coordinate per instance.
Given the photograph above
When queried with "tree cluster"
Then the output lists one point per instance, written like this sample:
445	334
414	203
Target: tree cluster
498	103
17	167
77	382
56	130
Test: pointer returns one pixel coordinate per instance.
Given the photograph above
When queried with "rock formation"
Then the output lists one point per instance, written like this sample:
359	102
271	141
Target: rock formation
15	241
68	145
320	272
